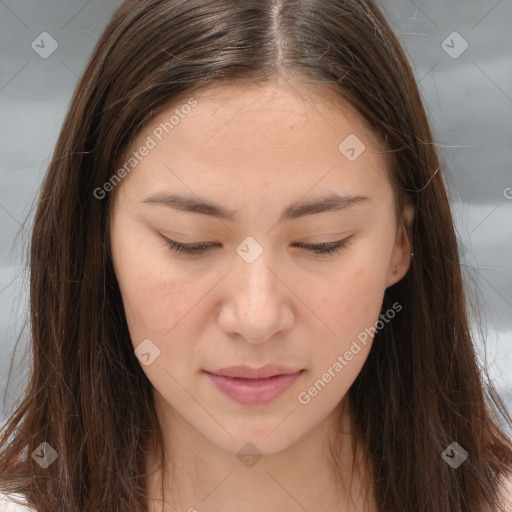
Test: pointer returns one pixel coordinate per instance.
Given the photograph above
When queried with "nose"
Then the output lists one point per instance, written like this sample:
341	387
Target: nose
256	304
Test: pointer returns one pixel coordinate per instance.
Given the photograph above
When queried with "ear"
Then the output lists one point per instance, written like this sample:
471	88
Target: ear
401	256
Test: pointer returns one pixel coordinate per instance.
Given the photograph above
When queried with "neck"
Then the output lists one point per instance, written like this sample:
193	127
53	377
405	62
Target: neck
319	472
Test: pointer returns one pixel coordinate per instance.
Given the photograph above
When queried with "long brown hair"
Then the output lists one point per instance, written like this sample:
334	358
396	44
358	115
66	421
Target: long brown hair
421	387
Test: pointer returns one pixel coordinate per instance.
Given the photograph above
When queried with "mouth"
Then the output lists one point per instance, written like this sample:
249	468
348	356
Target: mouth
249	386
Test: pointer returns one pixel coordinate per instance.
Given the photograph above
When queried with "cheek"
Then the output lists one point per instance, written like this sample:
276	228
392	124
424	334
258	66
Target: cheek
349	306
160	304
348	302
156	294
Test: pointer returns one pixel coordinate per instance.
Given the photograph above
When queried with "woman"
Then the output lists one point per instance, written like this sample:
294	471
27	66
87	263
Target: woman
245	284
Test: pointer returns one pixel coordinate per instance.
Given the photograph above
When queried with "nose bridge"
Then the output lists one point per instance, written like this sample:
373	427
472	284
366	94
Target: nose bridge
255	301
256	281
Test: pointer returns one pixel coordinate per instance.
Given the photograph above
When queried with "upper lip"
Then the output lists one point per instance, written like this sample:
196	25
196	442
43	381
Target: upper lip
245	372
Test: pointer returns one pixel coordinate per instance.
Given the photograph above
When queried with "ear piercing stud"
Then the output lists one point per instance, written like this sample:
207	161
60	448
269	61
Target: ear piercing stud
395	271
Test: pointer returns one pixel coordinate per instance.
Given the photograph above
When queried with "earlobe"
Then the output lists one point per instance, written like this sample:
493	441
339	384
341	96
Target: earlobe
403	250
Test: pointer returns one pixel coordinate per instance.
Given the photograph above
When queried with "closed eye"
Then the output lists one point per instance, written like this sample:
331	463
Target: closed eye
200	248
323	248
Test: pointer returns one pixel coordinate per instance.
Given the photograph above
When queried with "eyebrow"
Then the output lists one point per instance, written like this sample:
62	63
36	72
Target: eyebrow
332	202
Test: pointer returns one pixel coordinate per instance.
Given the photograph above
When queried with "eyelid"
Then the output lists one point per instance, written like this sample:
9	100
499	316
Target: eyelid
198	248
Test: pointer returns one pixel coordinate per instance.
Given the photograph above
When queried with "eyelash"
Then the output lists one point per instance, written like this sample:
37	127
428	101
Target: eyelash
325	248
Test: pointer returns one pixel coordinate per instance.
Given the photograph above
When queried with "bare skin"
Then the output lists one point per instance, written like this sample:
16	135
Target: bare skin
257	150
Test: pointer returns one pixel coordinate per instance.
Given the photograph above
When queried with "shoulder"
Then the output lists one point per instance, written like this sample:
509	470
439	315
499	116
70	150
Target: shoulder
7	505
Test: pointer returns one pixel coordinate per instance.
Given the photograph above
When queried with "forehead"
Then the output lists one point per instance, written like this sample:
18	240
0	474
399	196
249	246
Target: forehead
284	110
277	134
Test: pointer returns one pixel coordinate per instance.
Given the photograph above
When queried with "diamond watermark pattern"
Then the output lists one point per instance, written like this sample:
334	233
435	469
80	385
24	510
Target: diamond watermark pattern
352	147
147	352
44	455
249	455
454	45
455	455
249	250
44	45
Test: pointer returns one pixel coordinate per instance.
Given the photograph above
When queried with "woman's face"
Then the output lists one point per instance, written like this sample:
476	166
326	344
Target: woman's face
240	169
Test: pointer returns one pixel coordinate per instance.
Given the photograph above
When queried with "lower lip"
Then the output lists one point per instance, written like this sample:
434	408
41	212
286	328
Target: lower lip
254	391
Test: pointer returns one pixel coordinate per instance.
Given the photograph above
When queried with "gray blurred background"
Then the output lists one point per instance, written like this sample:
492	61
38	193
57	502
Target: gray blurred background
461	53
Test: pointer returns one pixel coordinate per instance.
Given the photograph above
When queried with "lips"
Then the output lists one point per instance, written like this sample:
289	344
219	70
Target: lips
245	372
254	386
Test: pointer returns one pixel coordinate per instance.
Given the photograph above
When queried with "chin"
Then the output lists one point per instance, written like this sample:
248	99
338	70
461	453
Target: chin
268	437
